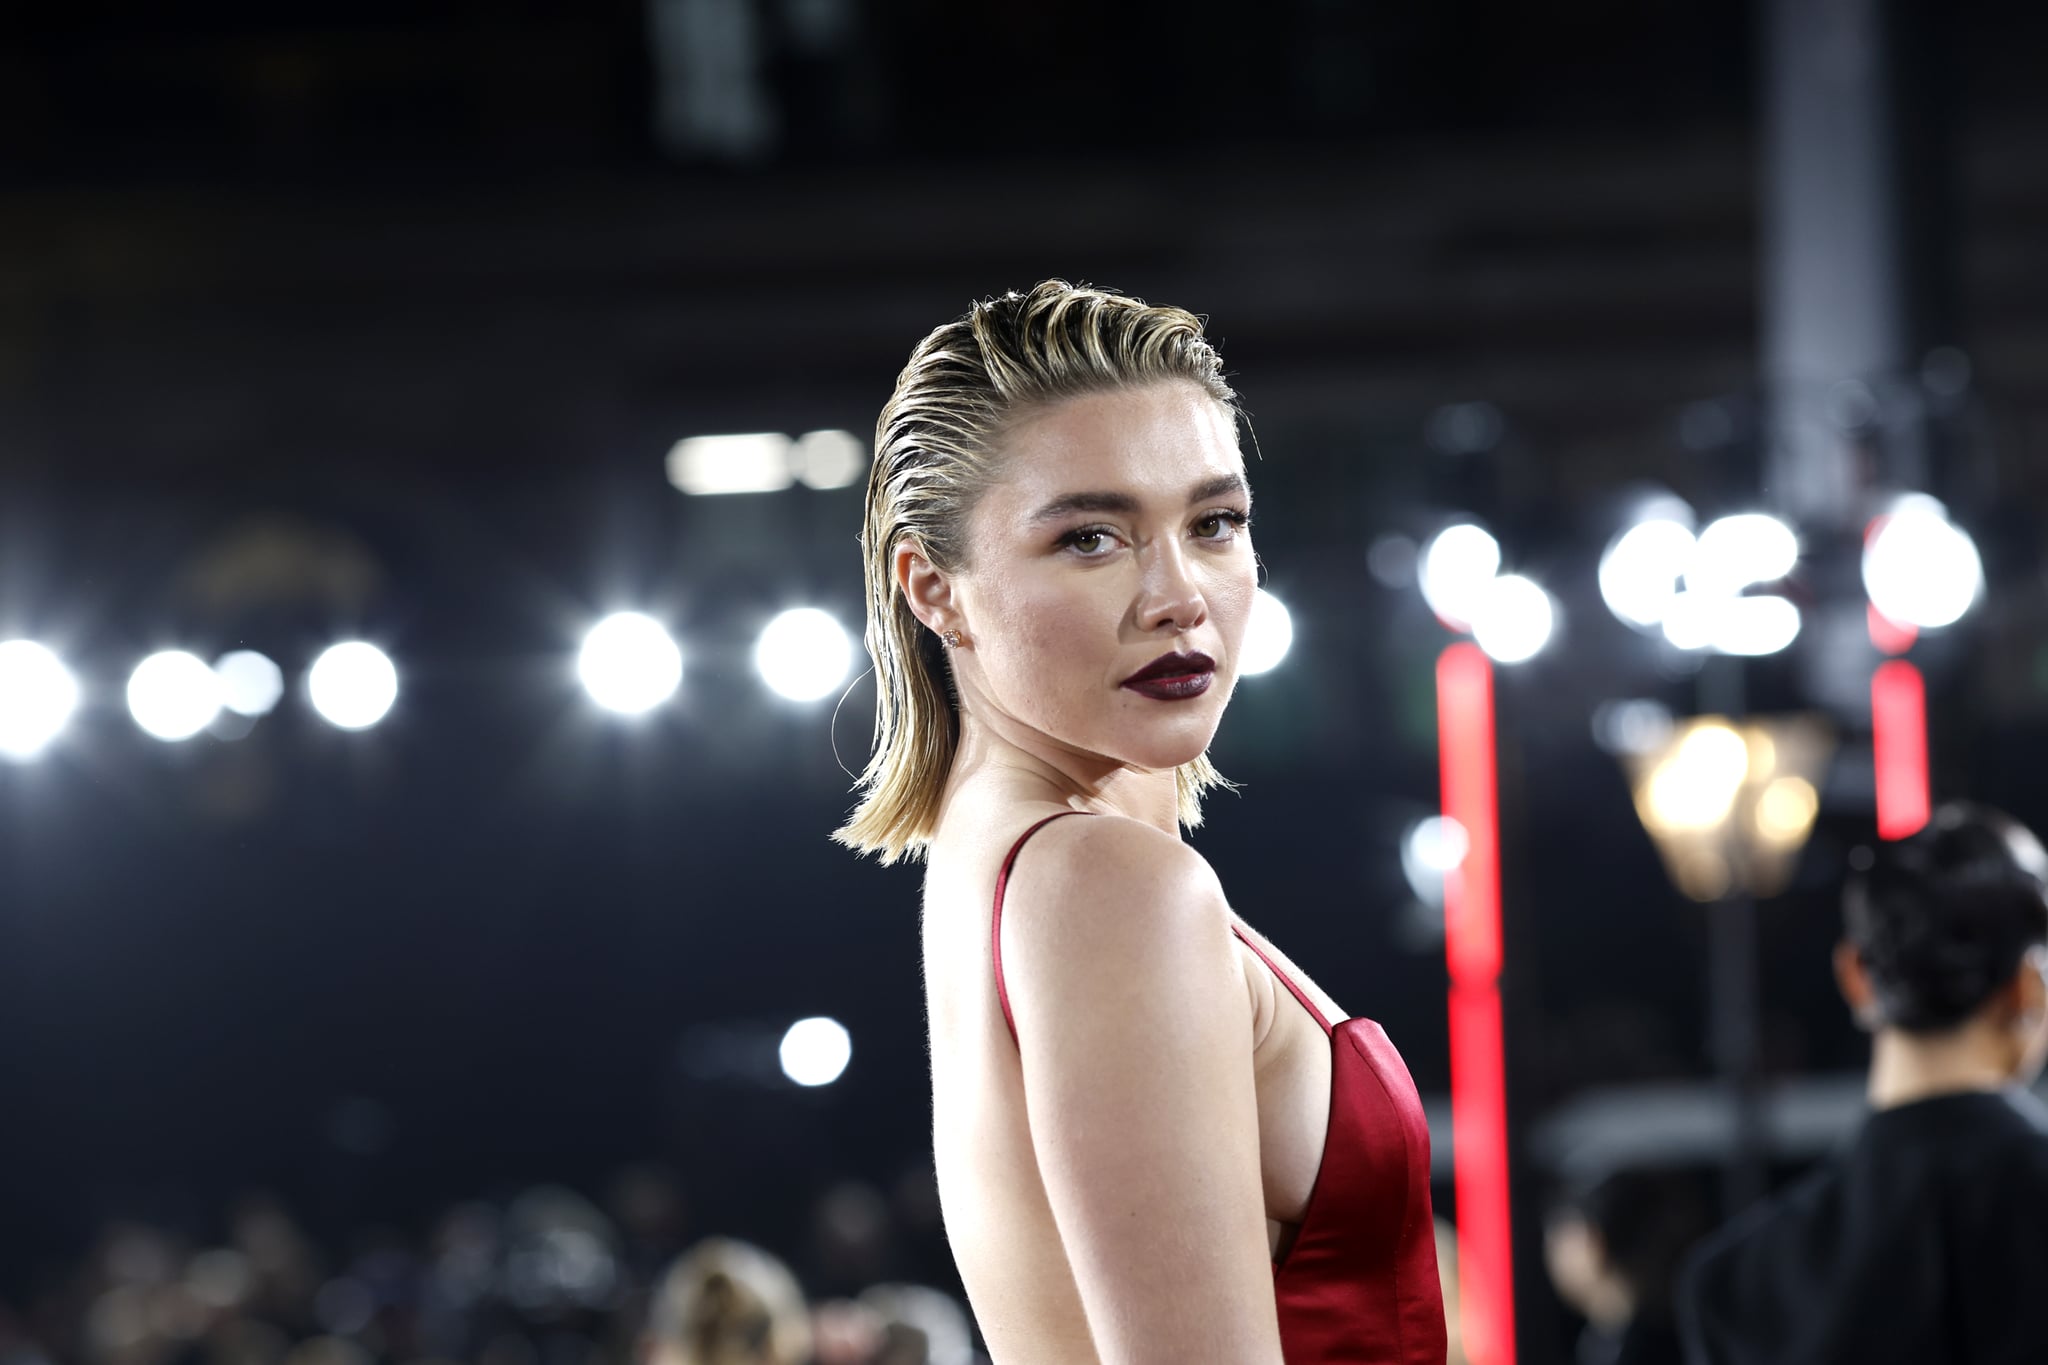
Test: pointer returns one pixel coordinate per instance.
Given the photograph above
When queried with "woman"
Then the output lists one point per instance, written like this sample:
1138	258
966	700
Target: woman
1134	1094
1926	1240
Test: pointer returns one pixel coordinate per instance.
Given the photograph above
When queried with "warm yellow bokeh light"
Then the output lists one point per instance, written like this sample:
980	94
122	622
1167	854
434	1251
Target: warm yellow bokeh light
1763	754
1786	809
1696	786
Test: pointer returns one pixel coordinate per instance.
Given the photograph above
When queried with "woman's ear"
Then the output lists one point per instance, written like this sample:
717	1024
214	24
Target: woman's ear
928	591
1853	979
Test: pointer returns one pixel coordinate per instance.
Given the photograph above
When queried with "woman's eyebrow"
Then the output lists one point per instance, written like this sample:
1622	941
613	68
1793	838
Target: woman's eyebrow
1069	503
1220	486
1123	504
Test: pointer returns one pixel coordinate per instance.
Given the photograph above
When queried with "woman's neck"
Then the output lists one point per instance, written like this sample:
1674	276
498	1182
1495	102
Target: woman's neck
1905	1067
1035	767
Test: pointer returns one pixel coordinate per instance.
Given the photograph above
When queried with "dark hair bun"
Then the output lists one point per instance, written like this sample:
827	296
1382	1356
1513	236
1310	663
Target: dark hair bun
1943	919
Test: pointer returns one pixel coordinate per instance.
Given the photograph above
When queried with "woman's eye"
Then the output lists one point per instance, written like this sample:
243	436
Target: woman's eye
1211	526
1087	542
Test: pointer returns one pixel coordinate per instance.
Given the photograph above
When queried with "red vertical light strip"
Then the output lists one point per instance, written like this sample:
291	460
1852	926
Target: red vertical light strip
1464	719
1472	951
1898	740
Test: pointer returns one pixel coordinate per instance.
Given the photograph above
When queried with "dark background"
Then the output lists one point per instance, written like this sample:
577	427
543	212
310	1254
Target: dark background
378	319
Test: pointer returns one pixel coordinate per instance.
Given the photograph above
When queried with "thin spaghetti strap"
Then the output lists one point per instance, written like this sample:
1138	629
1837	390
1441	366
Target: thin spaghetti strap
1285	980
995	932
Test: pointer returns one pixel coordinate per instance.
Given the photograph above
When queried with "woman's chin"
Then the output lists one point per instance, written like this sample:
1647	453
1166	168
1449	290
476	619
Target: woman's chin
1165	754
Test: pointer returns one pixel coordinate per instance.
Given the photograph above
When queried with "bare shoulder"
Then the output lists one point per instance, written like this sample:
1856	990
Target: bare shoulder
1073	871
1113	913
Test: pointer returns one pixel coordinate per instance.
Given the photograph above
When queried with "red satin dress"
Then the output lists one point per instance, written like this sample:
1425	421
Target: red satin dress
1359	1286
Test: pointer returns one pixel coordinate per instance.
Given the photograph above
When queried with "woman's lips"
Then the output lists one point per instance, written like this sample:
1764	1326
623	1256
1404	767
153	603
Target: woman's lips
1181	687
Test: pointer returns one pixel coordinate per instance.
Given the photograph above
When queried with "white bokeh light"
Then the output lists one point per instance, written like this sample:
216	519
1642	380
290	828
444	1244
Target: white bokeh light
1639	573
173	695
1731	625
353	685
1455	568
829	459
1737	551
803	654
1513	619
1268	635
815	1051
629	664
37	697
250	684
1432	849
1919	567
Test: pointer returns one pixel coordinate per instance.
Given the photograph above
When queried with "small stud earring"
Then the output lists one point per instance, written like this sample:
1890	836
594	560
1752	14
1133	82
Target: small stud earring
951	637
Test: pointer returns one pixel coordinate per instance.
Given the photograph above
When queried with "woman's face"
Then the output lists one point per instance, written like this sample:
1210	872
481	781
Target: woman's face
1117	535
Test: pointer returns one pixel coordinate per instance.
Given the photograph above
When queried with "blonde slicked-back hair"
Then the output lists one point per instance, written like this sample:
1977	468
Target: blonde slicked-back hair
935	455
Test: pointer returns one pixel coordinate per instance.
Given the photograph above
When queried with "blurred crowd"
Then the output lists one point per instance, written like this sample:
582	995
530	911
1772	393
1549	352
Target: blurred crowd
545	1278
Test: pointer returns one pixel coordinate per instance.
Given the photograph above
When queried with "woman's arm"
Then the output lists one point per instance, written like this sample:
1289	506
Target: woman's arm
1136	1036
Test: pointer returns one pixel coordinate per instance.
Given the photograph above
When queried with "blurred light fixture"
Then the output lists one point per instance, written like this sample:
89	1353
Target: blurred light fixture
759	462
1639	572
815	1051
1431	850
353	685
173	695
1455	568
829	459
1513	619
629	664
803	654
1785	811
250	684
1731	625
1268	635
1919	567
1736	552
1695	785
37	698
1729	804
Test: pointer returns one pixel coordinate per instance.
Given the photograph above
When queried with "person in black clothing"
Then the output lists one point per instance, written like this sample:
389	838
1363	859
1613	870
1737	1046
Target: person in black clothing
1926	1239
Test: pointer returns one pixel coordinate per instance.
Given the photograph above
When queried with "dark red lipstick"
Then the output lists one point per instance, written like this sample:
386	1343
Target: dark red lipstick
1173	677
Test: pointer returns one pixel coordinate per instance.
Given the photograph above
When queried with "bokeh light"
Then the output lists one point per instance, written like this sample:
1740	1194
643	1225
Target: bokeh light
1696	786
37	697
803	654
1455	568
753	462
1639	573
1785	811
829	459
1731	625
353	685
1431	850
1268	635
1513	619
173	695
1738	551
1919	568
250	683
629	663
815	1051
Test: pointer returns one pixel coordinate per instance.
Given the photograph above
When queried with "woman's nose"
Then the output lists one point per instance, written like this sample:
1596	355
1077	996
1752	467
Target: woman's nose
1172	596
